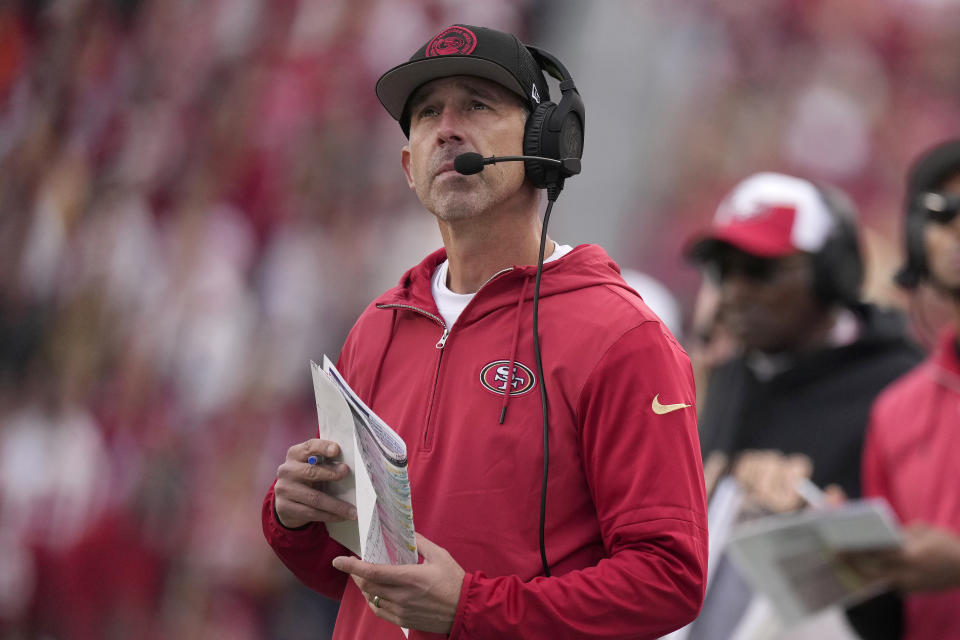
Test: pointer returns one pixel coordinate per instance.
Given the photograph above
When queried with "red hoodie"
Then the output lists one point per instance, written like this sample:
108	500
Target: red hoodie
626	529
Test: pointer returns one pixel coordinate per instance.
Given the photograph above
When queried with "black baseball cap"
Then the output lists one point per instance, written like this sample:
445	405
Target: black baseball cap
933	167
463	49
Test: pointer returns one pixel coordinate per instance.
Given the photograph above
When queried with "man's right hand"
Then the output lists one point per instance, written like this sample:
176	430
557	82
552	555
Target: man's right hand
299	496
928	561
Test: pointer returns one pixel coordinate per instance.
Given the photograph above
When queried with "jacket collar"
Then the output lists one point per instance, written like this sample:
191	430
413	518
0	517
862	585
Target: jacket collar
586	265
945	354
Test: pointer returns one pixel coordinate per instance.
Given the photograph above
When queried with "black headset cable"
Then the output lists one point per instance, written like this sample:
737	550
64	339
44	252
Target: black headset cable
552	192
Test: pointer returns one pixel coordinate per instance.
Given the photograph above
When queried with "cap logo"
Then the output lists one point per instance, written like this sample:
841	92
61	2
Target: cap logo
534	93
495	376
452	40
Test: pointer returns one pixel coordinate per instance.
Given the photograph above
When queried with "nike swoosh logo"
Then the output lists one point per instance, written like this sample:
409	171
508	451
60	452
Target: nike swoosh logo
661	409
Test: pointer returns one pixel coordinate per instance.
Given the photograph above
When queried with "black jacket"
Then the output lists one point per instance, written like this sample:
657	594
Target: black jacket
818	407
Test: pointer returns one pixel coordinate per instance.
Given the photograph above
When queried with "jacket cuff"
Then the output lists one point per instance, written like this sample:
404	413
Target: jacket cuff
276	517
283	534
458	630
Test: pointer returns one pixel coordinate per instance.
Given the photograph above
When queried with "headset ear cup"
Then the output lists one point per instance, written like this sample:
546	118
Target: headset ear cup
916	255
836	275
571	137
838	266
838	271
533	137
823	288
570	140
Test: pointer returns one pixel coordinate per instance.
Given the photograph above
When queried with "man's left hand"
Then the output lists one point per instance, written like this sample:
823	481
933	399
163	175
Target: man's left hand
416	596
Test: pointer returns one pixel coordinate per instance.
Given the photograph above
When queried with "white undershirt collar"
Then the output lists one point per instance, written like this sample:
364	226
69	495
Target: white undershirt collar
451	304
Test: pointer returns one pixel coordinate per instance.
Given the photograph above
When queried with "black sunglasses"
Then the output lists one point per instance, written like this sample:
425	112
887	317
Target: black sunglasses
751	267
939	207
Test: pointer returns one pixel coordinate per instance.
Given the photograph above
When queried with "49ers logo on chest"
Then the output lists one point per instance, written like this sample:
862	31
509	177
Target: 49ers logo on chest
496	376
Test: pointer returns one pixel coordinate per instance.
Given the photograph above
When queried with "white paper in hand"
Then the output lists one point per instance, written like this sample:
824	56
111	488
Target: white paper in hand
795	559
377	484
336	423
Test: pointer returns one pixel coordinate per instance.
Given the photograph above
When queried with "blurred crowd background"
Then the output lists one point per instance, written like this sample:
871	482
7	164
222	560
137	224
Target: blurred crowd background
198	197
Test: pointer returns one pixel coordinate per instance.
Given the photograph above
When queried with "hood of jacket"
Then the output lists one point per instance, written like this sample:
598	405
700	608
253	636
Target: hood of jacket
586	266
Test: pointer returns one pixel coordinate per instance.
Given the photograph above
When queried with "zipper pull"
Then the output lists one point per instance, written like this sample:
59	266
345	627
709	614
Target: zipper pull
443	339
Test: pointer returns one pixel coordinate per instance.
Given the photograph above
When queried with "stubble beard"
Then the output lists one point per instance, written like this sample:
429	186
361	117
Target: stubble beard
469	197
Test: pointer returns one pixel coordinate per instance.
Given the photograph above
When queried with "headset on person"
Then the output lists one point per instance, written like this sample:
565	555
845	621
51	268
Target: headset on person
552	148
838	266
553	130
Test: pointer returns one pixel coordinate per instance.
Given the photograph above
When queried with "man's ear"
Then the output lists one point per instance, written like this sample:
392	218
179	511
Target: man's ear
405	163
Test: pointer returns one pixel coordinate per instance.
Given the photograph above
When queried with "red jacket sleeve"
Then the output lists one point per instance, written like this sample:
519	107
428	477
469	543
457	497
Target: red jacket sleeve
307	552
645	473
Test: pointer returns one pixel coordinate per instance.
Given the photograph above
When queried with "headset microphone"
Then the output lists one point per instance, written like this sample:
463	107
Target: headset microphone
470	163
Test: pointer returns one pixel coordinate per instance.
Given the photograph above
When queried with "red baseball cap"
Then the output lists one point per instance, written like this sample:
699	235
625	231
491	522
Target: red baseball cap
767	215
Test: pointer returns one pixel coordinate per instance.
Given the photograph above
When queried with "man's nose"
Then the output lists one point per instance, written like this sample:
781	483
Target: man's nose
450	128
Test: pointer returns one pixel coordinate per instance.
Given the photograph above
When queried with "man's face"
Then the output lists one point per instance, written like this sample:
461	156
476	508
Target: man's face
767	303
455	115
942	242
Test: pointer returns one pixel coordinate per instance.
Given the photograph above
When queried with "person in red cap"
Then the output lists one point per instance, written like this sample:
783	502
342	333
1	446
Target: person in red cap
610	539
913	439
793	400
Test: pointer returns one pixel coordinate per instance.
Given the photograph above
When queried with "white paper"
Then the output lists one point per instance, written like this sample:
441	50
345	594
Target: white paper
377	484
792	559
336	424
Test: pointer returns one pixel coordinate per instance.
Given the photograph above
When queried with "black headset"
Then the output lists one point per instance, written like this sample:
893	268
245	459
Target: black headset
915	269
838	265
553	130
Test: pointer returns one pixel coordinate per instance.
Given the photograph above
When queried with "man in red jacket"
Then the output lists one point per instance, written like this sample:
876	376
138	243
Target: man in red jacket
447	358
913	442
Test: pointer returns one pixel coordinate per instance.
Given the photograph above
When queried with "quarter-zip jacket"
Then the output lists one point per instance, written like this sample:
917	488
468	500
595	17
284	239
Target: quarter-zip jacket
626	532
910	458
